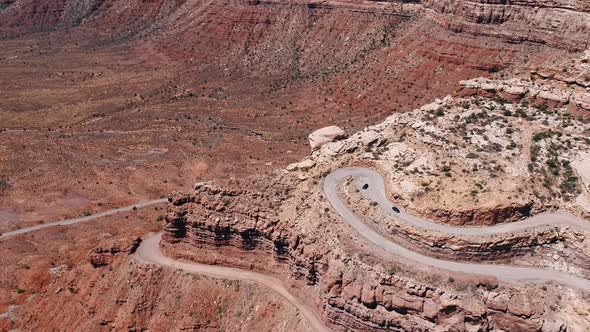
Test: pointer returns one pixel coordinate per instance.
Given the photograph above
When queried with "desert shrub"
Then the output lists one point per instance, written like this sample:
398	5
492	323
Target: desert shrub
4	184
543	135
553	165
535	152
501	100
520	113
569	185
392	271
541	107
493	147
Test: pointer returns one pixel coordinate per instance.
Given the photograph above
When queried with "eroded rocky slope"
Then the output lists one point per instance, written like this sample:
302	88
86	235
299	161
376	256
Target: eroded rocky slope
556	22
354	287
129	93
542	21
474	159
137	91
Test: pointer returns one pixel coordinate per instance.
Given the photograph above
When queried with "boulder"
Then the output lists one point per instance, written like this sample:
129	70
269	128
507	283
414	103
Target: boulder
368	297
369	138
497	301
325	135
303	166
104	253
521	305
352	291
432	107
553	326
431	309
582	100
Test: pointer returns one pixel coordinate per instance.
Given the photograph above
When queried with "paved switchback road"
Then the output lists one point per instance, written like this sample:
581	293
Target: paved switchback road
149	251
376	192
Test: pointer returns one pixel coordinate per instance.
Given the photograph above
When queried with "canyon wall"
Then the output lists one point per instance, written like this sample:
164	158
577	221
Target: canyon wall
561	23
350	294
282	222
380	58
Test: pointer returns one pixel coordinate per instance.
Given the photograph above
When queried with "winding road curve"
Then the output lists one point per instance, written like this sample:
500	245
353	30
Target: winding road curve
82	219
376	192
149	252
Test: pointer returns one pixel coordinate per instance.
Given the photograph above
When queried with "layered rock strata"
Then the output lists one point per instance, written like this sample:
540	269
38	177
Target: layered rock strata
559	23
536	21
476	155
353	294
561	84
558	247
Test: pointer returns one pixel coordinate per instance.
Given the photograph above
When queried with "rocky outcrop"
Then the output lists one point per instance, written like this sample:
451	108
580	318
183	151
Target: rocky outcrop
484	216
104	253
468	160
325	135
353	296
554	22
243	219
562	84
553	95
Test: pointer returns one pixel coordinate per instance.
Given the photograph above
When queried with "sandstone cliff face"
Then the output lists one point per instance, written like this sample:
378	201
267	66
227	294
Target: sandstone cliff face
562	23
557	247
243	219
485	216
91	282
357	290
473	156
104	254
352	294
542	21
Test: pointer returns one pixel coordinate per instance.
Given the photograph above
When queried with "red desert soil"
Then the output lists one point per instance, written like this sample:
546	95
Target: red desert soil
90	122
120	102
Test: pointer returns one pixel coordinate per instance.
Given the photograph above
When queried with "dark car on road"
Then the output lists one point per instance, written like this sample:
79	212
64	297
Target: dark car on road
395	209
365	186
